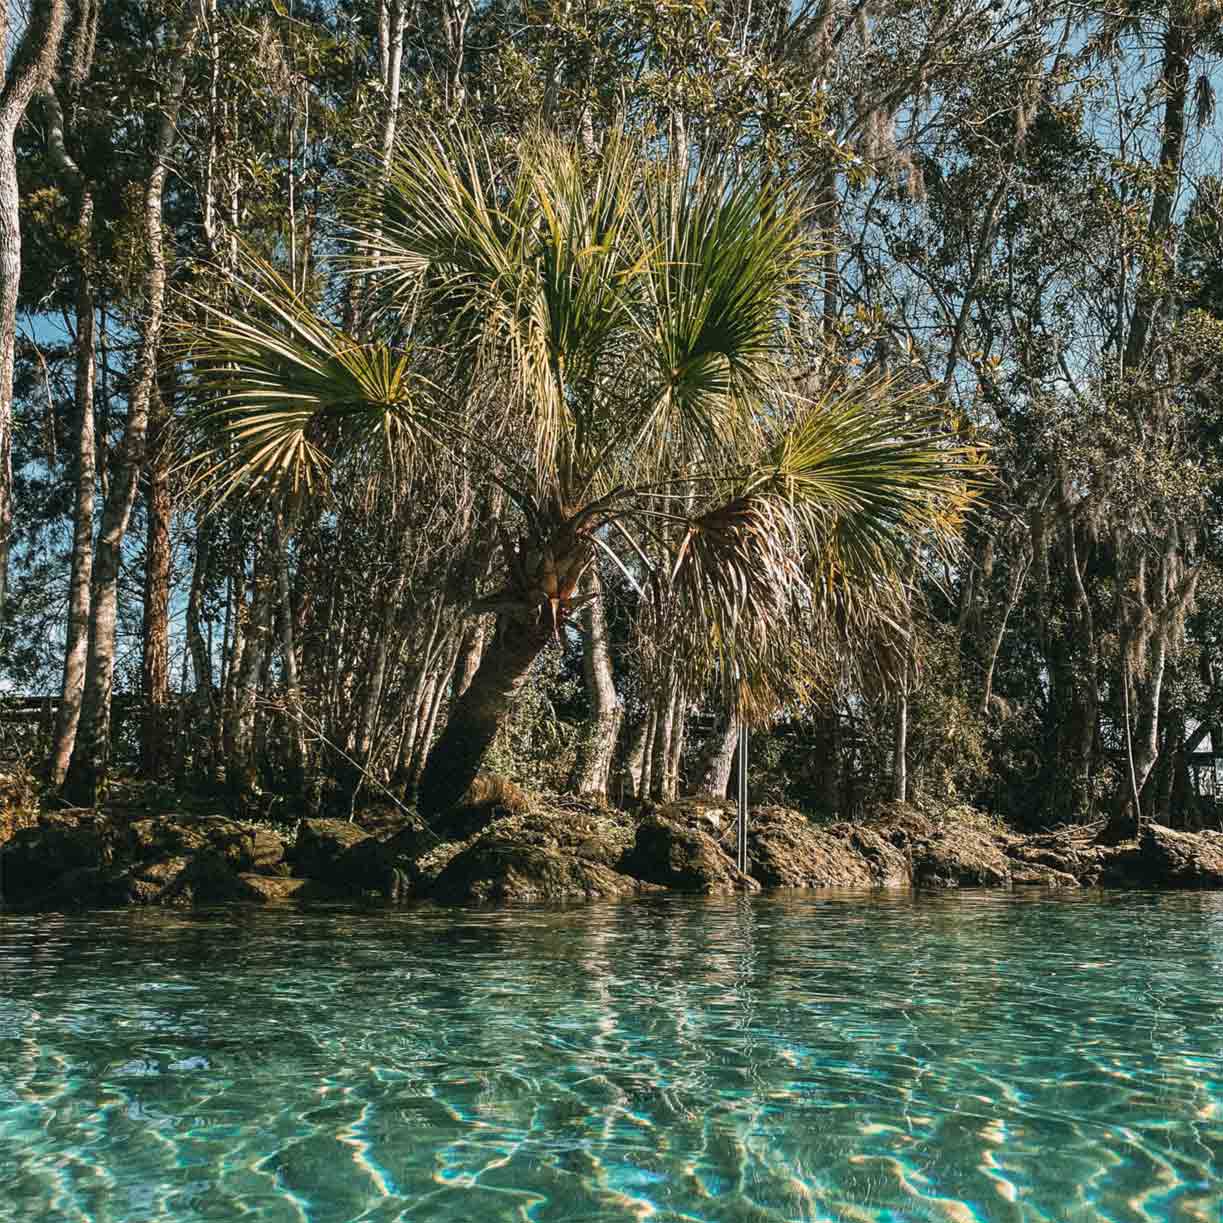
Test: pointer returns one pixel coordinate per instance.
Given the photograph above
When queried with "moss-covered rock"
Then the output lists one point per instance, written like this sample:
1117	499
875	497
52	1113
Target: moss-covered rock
1181	859
684	858
786	850
959	856
34	858
492	869
320	846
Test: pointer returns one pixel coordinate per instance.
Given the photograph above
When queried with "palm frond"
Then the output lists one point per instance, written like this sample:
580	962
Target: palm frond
725	255
816	538
281	392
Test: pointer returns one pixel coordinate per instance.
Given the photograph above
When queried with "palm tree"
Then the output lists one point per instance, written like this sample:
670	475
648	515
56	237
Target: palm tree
611	341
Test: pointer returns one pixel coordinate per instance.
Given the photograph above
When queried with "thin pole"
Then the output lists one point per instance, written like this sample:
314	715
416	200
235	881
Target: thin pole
742	847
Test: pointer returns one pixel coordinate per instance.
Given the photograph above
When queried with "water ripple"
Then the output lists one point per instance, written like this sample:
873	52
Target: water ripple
834	1058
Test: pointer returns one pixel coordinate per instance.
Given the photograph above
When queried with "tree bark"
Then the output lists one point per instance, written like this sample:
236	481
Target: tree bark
1179	46
900	746
645	773
592	769
76	647
470	653
27	70
717	758
91	753
155	659
660	749
477	715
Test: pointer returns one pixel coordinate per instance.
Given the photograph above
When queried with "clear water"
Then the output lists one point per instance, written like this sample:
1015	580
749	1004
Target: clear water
880	1060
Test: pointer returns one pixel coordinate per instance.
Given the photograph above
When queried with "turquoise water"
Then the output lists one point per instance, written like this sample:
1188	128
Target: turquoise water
848	1058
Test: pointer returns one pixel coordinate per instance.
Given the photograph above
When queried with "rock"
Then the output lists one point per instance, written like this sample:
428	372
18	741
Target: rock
34	858
208	878
492	869
1181	859
585	830
166	836
488	798
786	850
959	856
1068	851
683	858
705	814
901	824
425	869
1041	877
268	889
267	851
79	888
320	844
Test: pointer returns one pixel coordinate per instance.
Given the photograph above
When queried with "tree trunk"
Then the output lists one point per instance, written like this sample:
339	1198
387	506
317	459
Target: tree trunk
592	769
675	747
470	653
424	737
91	753
241	771
900	747
155	660
717	758
634	761
660	749
76	647
477	715
288	654
645	774
1174	80
28	69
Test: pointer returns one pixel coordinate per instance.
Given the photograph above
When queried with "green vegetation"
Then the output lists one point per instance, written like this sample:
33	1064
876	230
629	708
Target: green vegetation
403	389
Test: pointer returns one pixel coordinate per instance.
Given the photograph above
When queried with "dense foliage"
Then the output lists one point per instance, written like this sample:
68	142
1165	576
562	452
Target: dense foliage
1003	235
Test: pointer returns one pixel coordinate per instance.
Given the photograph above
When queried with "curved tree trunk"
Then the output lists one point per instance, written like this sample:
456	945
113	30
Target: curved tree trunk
477	715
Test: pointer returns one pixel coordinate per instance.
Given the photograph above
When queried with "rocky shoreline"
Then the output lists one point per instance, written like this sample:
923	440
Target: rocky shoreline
550	850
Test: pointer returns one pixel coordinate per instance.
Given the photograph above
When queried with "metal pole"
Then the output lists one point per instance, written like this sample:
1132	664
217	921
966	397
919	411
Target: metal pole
742	847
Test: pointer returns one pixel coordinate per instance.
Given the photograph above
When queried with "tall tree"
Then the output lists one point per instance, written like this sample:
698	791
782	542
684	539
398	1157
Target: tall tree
29	61
91	751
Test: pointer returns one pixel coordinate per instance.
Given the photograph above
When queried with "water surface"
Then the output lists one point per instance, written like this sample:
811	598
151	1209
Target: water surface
875	1059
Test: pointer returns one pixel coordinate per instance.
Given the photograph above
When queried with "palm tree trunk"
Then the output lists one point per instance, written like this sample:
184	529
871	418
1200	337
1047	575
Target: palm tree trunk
644	774
477	715
717	758
675	748
661	779
470	654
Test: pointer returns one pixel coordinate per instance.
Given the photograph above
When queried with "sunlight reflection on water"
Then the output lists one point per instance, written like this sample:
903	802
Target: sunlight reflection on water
875	1058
